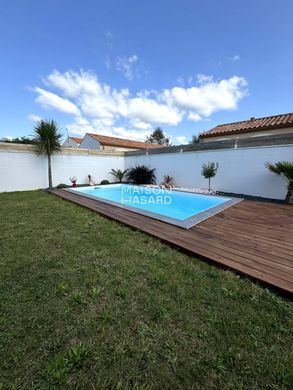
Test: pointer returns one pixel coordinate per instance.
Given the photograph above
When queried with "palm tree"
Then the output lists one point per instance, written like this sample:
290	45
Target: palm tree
47	140
285	170
118	174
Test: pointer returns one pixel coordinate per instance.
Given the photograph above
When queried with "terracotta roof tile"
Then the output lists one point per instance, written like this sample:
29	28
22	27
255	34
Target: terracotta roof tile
125	143
76	139
251	125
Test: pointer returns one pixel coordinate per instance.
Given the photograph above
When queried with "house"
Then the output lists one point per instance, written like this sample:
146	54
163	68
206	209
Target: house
72	142
103	142
253	127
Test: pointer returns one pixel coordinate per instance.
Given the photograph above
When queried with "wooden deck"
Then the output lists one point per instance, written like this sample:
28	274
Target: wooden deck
253	238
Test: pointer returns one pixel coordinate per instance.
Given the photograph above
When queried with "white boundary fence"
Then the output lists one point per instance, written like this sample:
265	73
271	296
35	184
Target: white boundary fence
241	171
21	169
241	167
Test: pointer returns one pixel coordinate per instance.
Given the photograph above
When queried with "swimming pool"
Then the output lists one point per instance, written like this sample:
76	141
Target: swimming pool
179	208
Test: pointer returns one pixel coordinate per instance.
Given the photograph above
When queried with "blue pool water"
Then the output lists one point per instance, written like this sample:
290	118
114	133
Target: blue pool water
169	203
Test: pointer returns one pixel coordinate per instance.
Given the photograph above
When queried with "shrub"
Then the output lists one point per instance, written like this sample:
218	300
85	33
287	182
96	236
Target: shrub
142	174
103	182
62	185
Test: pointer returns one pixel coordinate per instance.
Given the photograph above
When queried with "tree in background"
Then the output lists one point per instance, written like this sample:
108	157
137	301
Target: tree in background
195	138
209	170
47	140
19	140
285	170
158	137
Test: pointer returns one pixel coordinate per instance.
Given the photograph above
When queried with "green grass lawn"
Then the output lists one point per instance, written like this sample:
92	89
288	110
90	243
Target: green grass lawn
88	303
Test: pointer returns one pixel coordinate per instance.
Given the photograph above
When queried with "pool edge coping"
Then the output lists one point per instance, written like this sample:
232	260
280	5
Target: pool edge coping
185	224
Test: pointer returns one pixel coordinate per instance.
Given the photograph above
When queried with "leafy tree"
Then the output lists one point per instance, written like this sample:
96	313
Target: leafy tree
158	137
209	170
285	170
118	174
194	139
47	140
141	174
19	140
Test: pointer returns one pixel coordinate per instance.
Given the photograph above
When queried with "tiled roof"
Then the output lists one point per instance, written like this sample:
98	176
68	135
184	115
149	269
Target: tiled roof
76	139
251	125
124	143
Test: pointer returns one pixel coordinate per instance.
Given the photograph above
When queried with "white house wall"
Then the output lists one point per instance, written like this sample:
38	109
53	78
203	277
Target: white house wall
253	134
70	143
89	142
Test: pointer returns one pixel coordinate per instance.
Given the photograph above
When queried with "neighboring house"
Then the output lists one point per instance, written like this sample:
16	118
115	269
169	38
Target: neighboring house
72	142
254	127
102	142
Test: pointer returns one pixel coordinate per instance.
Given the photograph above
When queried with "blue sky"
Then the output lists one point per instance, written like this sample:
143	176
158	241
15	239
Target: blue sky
124	67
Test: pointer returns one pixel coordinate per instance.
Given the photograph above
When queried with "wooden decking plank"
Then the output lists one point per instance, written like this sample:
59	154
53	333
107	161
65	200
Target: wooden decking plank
266	232
256	244
258	255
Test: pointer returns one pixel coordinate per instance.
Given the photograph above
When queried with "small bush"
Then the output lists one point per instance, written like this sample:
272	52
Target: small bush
103	182
62	185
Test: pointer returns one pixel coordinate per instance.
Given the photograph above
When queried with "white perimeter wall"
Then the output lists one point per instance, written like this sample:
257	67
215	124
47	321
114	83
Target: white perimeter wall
241	171
25	171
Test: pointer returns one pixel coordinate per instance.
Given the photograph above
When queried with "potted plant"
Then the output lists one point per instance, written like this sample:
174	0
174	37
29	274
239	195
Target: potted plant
168	182
73	181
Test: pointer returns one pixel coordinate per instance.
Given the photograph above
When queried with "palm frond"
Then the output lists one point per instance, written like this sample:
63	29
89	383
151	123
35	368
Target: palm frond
282	168
142	174
47	137
118	174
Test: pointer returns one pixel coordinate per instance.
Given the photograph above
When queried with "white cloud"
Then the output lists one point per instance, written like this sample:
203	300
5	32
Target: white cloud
34	118
50	100
130	134
236	57
193	116
80	126
97	107
149	110
208	97
180	140
127	65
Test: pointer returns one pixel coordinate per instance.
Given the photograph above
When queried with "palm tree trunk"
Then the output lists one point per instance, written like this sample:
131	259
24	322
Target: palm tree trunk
50	172
289	196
